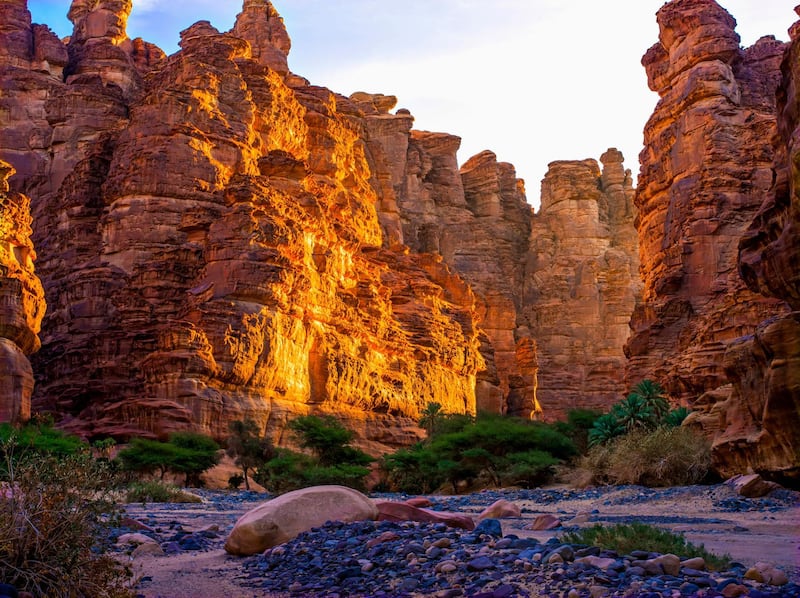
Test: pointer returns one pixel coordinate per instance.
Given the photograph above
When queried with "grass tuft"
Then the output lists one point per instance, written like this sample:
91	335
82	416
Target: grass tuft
625	538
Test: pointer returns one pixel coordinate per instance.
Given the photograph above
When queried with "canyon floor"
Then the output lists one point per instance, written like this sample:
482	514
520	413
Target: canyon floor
749	530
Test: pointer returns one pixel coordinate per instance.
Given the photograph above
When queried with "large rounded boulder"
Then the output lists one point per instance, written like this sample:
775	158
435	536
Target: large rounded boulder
286	516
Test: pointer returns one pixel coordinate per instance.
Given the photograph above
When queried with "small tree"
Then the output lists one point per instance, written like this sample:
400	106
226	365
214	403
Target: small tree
328	439
187	452
247	448
146	456
197	454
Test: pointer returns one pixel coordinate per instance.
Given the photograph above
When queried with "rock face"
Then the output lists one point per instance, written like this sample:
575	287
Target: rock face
761	419
581	283
705	170
21	302
211	247
718	148
522	267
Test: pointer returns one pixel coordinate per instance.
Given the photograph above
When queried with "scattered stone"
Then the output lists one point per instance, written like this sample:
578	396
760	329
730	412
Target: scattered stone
751	485
767	573
544	522
400	511
697	563
596	561
492	527
581	518
420	502
500	509
135	538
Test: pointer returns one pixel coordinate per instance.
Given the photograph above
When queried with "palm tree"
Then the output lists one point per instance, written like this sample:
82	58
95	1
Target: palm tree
654	396
604	429
431	417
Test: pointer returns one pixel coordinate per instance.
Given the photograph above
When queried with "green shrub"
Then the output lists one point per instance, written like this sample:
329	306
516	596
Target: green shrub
675	418
55	511
248	448
284	472
186	453
328	439
157	491
235	481
625	538
663	457
576	428
42	438
492	450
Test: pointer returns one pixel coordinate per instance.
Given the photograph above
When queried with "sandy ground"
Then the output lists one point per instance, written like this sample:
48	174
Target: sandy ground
748	537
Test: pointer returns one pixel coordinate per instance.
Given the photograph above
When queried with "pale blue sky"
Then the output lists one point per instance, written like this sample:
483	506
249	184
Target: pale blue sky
532	80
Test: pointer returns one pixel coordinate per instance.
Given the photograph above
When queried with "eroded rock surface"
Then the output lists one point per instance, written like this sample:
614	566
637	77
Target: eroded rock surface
581	283
706	168
211	247
21	302
760	427
714	331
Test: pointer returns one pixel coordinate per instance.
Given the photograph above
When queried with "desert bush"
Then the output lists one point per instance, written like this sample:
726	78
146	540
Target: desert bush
248	448
625	538
333	460
490	450
55	511
42	438
663	457
329	440
158	491
578	425
186	453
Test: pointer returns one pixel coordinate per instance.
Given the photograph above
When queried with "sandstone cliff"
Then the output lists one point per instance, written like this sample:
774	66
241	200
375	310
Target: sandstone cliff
210	243
581	283
220	239
21	303
705	169
760	421
717	148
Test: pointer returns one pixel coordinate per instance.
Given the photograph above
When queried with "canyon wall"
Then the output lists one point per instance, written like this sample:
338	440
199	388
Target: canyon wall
705	169
759	423
718	237
209	239
21	302
581	283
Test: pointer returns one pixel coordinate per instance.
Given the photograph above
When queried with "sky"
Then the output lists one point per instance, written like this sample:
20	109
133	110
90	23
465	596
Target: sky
532	80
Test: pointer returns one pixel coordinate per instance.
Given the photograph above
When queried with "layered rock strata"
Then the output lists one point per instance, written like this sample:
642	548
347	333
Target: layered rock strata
705	170
211	248
22	303
581	283
759	423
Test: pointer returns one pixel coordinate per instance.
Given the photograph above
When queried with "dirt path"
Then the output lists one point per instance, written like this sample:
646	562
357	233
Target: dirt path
747	536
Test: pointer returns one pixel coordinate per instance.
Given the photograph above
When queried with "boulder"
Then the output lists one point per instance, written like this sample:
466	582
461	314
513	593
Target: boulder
544	522
284	517
751	485
400	511
500	510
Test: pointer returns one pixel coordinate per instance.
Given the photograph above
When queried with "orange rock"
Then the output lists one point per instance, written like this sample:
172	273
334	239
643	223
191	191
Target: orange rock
544	522
22	301
706	169
500	509
400	511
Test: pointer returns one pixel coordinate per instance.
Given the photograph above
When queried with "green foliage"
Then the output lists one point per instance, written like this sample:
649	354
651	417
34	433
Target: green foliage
577	427
157	491
55	510
625	538
284	472
248	448
499	450
328	439
645	407
196	454
334	461
43	439
675	418
186	452
605	428
663	457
